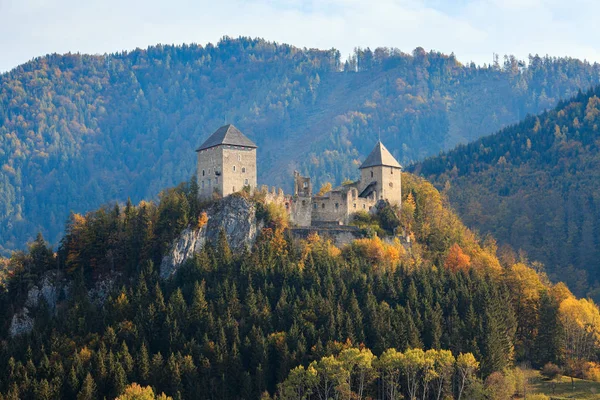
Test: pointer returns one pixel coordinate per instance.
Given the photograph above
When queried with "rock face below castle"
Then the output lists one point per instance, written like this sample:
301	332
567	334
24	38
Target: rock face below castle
234	214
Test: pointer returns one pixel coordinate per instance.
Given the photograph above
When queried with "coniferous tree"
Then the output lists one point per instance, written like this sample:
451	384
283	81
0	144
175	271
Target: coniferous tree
88	389
143	365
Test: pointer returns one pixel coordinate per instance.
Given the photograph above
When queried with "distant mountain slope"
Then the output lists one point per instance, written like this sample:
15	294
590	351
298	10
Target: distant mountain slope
536	186
77	131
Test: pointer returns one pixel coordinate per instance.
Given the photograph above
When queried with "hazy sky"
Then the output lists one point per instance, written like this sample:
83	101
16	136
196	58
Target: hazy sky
472	29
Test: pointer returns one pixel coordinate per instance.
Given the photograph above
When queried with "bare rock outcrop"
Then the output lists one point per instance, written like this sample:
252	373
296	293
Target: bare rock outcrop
234	214
48	290
53	287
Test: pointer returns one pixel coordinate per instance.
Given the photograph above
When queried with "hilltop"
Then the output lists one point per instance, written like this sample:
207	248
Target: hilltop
534	185
77	131
101	314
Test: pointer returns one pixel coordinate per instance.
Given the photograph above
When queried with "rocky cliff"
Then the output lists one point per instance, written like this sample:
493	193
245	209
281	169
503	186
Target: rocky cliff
234	214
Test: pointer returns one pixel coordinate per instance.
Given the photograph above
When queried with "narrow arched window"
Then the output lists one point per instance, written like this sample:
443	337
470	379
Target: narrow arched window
234	168
371	174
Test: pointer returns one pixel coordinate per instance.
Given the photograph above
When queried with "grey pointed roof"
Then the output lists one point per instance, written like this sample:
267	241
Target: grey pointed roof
227	135
380	156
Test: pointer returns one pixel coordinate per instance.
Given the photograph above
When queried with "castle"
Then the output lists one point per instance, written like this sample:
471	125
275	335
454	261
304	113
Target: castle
227	163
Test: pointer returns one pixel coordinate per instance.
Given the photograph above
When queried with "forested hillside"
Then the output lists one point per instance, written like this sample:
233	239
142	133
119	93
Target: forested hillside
534	185
77	131
441	318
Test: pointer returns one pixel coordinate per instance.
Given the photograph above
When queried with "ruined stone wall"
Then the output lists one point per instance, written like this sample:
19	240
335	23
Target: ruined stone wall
298	207
302	185
332	207
300	210
273	195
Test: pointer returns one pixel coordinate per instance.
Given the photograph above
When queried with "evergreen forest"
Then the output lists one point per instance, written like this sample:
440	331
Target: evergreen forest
534	186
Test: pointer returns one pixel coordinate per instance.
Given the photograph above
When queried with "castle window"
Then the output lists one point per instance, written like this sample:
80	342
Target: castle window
315	206
216	180
392	170
354	205
303	202
287	206
202	172
209	183
234	168
364	206
243	170
337	205
202	184
391	185
371	174
323	205
246	182
239	157
370	208
209	171
305	185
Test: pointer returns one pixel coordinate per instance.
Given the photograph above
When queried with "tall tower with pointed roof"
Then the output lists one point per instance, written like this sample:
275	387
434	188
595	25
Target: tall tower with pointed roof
226	163
381	176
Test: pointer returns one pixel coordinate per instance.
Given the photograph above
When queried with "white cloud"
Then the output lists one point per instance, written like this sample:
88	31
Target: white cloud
472	29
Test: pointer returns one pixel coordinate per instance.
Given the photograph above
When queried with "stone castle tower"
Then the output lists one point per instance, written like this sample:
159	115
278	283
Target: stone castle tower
226	163
381	175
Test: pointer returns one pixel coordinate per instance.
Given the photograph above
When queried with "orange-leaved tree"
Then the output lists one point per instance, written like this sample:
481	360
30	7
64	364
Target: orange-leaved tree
456	259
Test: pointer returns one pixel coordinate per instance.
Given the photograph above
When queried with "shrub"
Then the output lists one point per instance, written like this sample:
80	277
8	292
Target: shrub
550	371
591	371
500	386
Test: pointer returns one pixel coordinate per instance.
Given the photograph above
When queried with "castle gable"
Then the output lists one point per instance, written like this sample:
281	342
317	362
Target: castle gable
227	135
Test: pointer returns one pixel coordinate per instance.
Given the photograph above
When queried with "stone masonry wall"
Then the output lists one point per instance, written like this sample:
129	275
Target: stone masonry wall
210	163
239	169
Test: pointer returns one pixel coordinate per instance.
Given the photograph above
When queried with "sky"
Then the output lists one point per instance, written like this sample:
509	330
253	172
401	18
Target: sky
473	29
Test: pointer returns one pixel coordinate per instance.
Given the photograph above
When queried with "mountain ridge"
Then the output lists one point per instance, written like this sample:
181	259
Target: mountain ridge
77	131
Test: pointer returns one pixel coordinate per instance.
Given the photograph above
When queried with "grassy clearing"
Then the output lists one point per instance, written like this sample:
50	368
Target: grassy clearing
562	389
